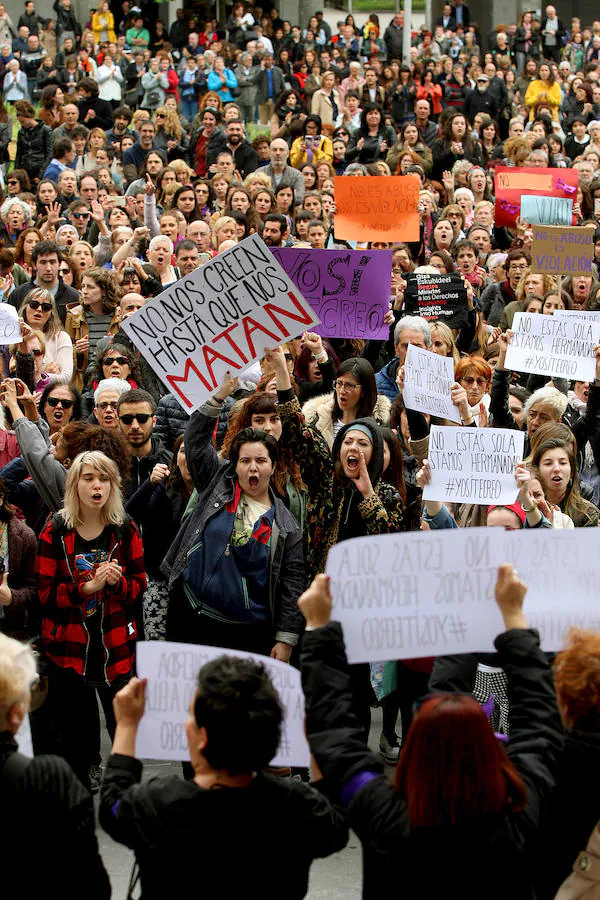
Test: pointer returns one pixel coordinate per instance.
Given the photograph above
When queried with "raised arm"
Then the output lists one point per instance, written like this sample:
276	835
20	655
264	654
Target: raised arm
202	459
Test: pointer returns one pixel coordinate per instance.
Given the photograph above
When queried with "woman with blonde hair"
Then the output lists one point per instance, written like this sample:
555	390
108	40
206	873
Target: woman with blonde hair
183	173
169	129
442	341
91	578
38	311
224	229
103	23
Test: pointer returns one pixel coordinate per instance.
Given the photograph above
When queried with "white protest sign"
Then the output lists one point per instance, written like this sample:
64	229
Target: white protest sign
430	593
219	318
473	465
553	346
428	380
586	315
10	330
172	673
24	739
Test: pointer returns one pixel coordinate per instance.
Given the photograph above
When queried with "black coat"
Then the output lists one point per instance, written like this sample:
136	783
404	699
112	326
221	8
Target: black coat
280	827
48	793
480	102
433	863
245	156
103	110
34	149
171	420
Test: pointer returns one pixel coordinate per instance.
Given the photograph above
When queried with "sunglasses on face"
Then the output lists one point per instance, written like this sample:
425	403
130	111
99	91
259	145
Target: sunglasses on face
38	352
81	215
106	404
141	418
122	360
35	304
65	271
54	401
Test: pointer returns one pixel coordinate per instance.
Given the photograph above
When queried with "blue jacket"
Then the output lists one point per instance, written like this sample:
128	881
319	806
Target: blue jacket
386	379
223	90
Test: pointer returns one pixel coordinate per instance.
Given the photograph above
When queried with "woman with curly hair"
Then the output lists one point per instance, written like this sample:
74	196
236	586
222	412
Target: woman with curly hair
89	321
455	143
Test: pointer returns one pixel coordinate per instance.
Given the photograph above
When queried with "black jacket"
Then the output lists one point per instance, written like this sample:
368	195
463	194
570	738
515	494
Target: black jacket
572	813
171	420
215	482
64	295
245	156
371	151
251	840
480	102
34	149
48	793
104	113
433	863
141	467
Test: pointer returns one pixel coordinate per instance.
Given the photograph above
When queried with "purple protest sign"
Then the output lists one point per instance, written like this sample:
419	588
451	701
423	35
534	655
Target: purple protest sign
348	289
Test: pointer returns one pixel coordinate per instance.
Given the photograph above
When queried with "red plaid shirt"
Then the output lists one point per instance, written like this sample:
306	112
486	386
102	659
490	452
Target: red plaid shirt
65	637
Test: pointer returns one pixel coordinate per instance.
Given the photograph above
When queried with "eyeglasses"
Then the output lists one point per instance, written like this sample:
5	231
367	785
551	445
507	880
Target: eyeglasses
122	360
108	404
65	271
160	116
470	380
38	351
12	181
82	215
345	385
141	418
35	304
55	401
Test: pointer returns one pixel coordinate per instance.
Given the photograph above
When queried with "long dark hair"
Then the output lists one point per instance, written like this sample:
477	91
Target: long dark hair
75	396
363	371
446	129
394	474
364	128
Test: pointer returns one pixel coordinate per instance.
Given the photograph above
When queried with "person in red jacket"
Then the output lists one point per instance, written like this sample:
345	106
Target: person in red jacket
91	577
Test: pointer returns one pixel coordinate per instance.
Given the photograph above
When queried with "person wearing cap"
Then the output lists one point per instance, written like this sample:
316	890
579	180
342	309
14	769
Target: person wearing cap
480	100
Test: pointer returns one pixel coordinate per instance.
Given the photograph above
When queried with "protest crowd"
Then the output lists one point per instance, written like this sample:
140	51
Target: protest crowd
138	158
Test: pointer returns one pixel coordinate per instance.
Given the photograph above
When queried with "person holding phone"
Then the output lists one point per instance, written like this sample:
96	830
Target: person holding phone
312	146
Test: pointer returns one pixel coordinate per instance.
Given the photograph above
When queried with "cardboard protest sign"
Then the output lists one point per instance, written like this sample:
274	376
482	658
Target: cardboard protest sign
512	183
428	380
10	330
562	251
377	208
349	290
172	673
442	297
429	593
218	319
474	465
553	346
546	210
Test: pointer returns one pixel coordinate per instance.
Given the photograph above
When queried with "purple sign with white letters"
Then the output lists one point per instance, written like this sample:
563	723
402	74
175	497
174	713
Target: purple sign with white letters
348	289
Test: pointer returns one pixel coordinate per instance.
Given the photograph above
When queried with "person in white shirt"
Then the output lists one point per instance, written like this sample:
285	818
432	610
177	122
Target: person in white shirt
110	78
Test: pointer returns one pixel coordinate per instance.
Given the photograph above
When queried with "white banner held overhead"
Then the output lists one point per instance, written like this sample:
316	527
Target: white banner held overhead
172	673
220	318
473	465
428	380
553	346
430	593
